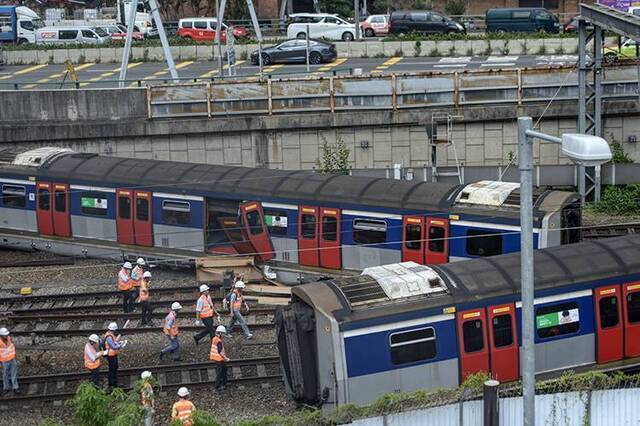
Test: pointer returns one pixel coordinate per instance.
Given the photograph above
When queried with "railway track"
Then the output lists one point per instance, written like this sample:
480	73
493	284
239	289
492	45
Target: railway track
56	387
610	230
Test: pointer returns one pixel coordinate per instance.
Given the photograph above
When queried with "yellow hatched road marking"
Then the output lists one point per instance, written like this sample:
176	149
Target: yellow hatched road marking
163	72
216	71
57	75
386	64
333	64
109	73
271	68
24	71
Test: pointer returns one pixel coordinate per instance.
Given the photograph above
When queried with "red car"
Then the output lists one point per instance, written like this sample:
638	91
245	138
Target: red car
204	29
119	33
375	25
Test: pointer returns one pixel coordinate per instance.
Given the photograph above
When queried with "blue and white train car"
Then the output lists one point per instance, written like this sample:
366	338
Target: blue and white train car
404	327
79	203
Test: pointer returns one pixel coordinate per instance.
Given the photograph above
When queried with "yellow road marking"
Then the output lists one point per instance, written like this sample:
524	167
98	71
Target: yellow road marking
109	73
386	64
57	75
271	68
216	71
333	64
162	72
24	71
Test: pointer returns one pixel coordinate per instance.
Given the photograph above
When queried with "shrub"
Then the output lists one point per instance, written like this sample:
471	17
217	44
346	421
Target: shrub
619	156
455	7
619	200
417	49
542	50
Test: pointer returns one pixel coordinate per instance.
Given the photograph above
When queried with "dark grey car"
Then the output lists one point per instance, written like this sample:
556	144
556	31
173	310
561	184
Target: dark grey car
295	51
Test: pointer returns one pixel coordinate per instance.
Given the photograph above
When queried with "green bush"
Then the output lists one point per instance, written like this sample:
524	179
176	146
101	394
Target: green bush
455	7
95	407
620	200
619	156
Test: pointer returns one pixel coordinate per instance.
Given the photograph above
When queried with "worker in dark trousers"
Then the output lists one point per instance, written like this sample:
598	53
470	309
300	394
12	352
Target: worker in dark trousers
143	299
125	286
92	356
113	346
204	314
217	354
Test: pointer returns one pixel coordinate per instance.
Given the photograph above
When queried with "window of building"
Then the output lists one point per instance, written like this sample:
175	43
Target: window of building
124	207
483	243
60	201
436	239
369	231
254	222
329	228
633	307
44	199
68	34
413	236
142	209
308	226
14	196
472	336
502	330
276	221
609	311
557	320
94	203
176	212
201	25
412	346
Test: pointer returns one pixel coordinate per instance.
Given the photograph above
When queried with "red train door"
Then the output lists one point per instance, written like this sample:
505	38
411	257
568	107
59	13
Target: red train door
503	342
631	294
308	236
142	223
330	256
413	239
44	208
60	214
609	331
472	341
256	230
124	216
236	235
437	236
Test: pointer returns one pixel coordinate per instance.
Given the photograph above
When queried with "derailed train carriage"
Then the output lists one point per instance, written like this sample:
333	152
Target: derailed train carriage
406	326
87	204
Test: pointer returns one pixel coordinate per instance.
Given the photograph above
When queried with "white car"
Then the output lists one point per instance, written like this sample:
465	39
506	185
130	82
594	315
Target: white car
321	25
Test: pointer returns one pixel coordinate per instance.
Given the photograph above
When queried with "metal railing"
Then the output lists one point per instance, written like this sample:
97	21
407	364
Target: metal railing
387	92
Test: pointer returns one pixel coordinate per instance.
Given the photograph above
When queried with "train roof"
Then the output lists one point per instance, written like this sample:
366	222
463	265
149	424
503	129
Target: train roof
364	298
63	165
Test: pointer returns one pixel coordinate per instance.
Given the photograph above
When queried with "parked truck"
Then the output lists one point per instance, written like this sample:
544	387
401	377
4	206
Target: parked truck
18	24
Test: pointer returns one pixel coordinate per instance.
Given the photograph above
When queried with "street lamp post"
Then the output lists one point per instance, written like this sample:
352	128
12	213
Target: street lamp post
585	150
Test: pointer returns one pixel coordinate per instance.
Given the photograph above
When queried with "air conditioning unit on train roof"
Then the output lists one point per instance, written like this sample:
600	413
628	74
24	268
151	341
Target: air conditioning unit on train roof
406	279
39	156
486	193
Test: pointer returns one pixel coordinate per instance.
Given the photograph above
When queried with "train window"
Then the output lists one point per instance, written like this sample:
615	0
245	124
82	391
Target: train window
124	207
308	226
254	222
60	201
413	236
93	203
608	311
502	330
412	346
329	228
633	307
276	221
44	199
472	335
13	196
436	239
369	231
142	209
483	243
176	212
556	320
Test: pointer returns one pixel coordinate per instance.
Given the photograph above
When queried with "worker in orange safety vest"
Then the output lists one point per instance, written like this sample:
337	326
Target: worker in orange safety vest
113	346
9	364
218	355
92	356
137	275
183	408
170	329
143	299
204	314
125	286
236	303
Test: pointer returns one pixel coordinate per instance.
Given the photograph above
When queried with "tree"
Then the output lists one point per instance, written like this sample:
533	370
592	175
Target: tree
455	7
343	8
335	158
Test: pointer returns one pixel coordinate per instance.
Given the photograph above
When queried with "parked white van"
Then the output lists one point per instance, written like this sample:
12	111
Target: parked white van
72	35
321	25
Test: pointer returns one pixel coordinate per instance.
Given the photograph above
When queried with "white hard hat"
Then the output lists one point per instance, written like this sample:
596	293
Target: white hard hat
145	374
4	331
112	326
146	274
221	329
183	392
204	288
94	338
239	284
140	261
127	265
175	306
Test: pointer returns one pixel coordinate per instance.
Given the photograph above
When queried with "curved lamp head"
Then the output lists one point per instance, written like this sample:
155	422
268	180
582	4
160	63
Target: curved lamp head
586	150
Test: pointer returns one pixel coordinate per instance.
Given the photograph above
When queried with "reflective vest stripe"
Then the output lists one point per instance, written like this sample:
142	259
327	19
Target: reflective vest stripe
237	304
144	291
182	411
173	330
124	280
207	306
7	350
89	352
214	355
137	273
112	352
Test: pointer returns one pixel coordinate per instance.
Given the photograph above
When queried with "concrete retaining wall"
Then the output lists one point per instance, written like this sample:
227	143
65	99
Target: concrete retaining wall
37	106
370	48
